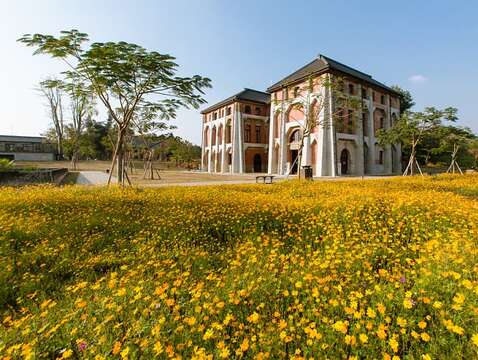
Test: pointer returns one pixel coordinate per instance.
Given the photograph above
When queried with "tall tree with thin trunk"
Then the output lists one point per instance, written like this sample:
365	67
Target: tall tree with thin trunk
52	91
124	76
82	106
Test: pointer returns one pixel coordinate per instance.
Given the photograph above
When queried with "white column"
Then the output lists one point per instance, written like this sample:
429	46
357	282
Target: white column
359	168
223	146
388	148
321	135
371	136
270	157
202	146
333	143
241	142
209	166
282	138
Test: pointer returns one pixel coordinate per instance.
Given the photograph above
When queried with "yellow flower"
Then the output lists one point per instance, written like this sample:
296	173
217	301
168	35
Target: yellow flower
224	353
422	324
253	318
407	303
458	330
67	354
124	353
350	340
393	344
363	338
158	348
371	313
426	357
474	339
425	337
245	345
401	322
116	348
340	326
208	334
80	304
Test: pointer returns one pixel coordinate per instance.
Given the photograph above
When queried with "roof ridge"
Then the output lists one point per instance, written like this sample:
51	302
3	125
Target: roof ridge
295	72
348	67
259	91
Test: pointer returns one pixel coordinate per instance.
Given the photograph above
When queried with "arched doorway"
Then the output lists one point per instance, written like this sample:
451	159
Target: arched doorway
294	145
257	163
344	162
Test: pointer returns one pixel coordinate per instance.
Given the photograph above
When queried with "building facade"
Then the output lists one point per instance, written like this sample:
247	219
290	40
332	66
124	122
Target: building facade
235	134
343	140
26	148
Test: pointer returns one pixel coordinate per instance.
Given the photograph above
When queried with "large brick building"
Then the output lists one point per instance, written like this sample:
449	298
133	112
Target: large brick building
254	131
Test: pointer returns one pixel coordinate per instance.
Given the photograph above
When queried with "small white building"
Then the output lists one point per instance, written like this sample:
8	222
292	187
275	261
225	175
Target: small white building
25	148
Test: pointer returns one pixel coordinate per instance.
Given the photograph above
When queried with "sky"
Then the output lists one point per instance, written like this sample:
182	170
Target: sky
427	47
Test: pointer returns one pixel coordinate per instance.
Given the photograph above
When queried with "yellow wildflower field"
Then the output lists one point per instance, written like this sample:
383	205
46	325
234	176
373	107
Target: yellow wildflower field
341	269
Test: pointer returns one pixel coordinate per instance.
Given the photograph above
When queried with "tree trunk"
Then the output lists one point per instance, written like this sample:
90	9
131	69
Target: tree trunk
120	163
59	144
117	150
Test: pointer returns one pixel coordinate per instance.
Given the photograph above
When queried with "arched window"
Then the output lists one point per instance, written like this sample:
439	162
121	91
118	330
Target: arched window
365	123
393	119
247	133
220	134
247	109
258	134
295	136
228	132
206	137
213	140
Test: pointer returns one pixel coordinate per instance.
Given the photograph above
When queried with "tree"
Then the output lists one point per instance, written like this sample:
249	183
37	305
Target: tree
410	129
124	76
473	150
52	90
406	99
315	97
82	106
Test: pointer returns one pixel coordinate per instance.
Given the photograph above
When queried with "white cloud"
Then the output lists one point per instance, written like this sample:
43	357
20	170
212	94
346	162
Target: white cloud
417	79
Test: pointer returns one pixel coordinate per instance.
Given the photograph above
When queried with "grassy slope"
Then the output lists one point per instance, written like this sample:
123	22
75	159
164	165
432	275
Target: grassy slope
337	269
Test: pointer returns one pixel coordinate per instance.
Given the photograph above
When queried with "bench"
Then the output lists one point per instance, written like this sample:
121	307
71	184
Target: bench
266	179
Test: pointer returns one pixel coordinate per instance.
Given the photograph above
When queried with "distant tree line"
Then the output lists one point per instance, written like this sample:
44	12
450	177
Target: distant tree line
430	137
96	141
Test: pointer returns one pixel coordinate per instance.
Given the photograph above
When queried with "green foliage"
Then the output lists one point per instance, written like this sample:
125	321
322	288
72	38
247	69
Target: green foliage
6	164
406	99
124	76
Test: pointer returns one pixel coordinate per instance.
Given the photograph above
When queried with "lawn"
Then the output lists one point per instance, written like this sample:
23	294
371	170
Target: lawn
170	174
345	269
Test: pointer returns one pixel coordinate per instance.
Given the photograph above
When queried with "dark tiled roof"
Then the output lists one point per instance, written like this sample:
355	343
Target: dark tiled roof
246	95
323	64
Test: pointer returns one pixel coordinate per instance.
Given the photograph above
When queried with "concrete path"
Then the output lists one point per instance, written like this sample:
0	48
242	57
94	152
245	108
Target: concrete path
93	178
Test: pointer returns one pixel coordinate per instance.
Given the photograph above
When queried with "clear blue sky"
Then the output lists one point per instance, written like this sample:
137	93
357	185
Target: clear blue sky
427	47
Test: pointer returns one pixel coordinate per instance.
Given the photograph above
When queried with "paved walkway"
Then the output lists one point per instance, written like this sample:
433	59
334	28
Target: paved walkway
93	178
